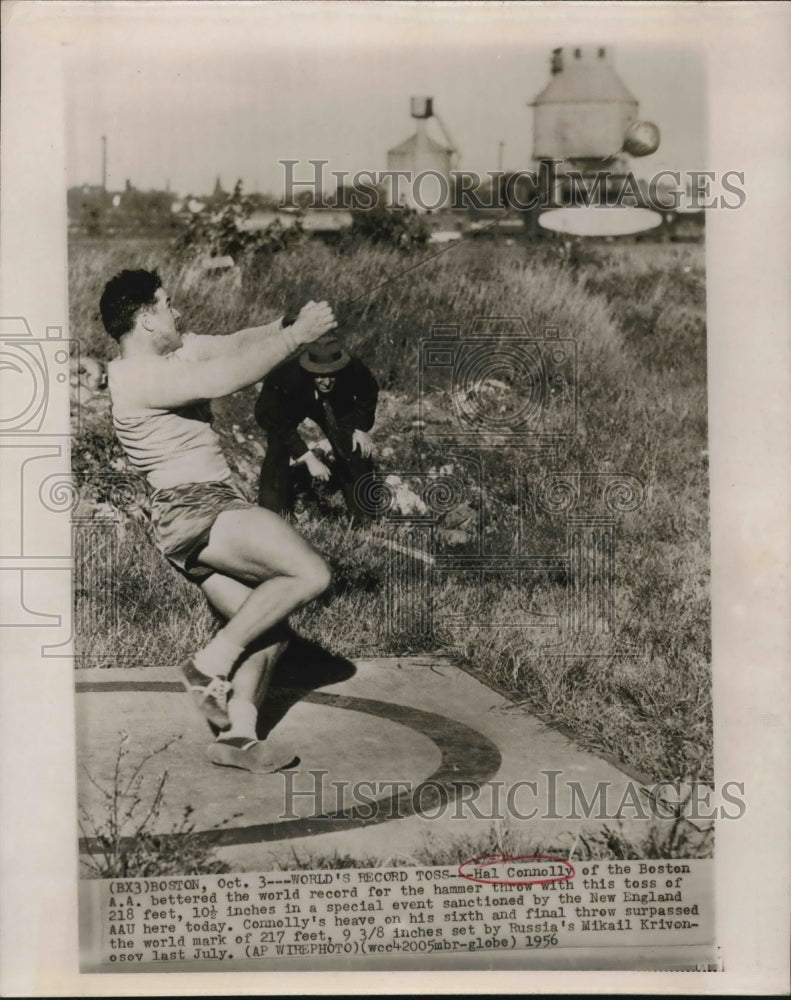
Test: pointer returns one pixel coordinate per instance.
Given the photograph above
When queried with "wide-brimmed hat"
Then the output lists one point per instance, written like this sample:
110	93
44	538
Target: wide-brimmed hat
324	356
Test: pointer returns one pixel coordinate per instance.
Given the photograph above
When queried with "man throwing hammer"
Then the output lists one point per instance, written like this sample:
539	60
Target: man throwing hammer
251	565
338	393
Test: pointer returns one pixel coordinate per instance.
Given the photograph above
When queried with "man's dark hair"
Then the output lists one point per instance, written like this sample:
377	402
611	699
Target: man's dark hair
124	296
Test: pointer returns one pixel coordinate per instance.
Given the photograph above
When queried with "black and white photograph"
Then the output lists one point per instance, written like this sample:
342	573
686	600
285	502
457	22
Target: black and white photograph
379	453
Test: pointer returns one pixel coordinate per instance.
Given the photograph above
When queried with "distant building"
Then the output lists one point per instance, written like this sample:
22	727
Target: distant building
323	223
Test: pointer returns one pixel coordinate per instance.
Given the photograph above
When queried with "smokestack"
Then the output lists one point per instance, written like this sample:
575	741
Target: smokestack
104	163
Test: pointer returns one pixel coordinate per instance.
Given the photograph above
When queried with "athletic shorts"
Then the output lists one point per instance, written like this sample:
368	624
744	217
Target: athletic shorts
182	518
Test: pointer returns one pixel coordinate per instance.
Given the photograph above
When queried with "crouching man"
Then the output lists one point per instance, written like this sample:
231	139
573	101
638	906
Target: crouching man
337	392
251	565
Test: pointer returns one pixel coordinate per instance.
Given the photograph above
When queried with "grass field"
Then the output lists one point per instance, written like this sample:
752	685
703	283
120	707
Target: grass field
638	316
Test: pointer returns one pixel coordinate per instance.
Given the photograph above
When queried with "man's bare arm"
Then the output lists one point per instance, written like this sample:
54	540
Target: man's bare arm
251	355
201	347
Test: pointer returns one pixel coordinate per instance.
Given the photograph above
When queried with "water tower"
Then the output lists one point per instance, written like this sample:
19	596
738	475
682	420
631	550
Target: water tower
420	153
585	121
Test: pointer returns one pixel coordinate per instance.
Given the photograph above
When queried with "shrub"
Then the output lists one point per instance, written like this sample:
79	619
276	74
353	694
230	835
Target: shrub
119	838
402	228
217	231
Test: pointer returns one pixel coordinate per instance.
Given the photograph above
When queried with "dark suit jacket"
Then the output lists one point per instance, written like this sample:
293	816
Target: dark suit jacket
288	396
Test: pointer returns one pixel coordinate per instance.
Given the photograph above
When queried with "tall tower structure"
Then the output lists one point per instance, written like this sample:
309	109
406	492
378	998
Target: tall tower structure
582	114
416	155
585	129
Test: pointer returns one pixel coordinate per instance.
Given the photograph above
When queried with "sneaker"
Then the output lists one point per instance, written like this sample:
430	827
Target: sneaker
258	756
210	694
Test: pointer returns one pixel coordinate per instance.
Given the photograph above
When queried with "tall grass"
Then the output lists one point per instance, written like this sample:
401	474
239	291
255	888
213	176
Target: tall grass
639	321
677	839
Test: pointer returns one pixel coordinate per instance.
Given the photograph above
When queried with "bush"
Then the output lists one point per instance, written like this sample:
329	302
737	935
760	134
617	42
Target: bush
401	228
217	231
119	838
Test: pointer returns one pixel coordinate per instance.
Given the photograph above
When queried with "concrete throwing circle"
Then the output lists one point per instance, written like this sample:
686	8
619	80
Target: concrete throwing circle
466	758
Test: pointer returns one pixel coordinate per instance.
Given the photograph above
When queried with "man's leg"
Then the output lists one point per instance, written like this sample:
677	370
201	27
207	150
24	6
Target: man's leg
275	490
256	547
348	473
238	746
254	670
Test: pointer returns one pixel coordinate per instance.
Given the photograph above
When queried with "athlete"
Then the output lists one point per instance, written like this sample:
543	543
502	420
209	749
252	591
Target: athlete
252	566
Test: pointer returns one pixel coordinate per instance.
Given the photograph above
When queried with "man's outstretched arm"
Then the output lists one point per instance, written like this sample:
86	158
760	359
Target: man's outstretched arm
249	355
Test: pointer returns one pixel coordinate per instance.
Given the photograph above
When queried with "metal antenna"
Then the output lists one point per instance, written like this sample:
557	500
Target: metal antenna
453	147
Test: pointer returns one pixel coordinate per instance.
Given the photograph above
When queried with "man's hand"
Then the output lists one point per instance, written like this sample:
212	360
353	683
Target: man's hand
314	320
316	467
362	441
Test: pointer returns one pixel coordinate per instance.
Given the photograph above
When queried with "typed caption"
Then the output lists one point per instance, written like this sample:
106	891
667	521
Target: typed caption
484	906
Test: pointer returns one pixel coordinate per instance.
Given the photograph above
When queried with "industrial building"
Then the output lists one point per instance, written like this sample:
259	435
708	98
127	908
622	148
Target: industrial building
586	129
583	113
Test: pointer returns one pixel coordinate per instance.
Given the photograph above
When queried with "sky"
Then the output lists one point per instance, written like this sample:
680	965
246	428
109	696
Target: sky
187	92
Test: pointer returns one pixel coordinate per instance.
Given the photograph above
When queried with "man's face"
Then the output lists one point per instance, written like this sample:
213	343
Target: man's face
160	321
324	383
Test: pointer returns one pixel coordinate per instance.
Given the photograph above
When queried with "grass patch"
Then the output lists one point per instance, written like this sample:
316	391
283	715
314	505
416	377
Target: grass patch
677	839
